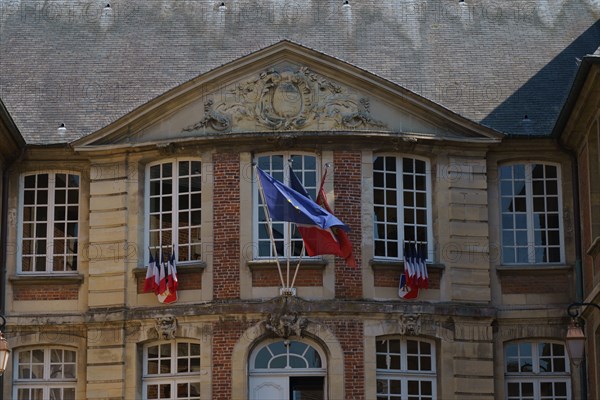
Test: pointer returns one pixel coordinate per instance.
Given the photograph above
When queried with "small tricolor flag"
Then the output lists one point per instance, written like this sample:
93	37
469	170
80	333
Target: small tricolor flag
161	278
415	274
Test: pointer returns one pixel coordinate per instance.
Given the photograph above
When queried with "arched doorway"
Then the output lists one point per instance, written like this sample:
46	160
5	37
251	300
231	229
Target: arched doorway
287	370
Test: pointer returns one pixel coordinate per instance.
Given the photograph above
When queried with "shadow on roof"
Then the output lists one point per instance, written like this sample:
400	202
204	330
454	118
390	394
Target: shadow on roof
526	111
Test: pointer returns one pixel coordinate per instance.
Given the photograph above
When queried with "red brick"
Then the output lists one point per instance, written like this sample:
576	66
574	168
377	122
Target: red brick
46	292
524	283
270	277
226	217
347	189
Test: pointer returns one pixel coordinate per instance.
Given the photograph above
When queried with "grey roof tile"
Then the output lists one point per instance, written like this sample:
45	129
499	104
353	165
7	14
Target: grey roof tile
72	62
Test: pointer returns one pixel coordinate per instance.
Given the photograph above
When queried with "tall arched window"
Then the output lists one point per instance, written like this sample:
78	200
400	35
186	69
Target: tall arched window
287	239
49	232
531	213
174	208
402	205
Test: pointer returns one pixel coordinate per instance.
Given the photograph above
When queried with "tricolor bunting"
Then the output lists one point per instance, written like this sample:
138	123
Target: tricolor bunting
415	274
161	278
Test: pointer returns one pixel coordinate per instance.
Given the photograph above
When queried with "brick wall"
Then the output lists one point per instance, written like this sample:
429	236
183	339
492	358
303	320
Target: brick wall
526	283
46	292
225	335
350	335
226	217
270	277
347	189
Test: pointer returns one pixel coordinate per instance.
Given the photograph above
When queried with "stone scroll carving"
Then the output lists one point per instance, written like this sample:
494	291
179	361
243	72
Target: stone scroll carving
288	100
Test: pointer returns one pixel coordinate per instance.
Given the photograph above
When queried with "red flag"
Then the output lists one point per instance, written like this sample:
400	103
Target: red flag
319	241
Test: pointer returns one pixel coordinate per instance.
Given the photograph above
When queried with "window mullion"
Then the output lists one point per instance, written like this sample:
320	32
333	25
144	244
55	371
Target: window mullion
287	226
46	364
50	222
173	359
175	206
530	216
399	205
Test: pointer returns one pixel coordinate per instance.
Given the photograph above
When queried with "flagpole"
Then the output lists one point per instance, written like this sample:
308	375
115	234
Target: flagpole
327	165
289	230
270	226
298	265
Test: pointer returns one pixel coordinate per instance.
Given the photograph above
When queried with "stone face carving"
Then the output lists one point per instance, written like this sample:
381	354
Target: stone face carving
409	324
286	321
286	325
166	327
289	100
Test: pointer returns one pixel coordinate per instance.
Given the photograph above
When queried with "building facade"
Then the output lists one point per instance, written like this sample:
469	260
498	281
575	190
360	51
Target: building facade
165	162
578	130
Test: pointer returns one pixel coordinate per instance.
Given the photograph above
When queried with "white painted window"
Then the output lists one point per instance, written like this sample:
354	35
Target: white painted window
286	237
49	373
406	369
531	217
286	355
49	211
171	370
537	370
174	208
287	370
402	205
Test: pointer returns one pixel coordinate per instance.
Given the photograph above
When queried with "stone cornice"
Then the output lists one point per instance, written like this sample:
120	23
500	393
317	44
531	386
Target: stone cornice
57	279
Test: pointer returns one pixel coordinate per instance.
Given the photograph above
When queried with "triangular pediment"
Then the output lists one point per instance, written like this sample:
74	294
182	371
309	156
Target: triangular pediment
286	88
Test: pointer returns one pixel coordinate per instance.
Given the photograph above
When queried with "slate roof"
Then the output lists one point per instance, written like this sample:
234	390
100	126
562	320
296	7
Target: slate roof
77	63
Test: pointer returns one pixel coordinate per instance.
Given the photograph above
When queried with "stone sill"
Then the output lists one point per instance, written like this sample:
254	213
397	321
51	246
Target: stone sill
529	268
196	266
594	248
389	265
56	279
257	265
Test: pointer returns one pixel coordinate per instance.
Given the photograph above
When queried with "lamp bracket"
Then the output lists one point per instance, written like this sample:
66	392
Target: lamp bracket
573	309
3	323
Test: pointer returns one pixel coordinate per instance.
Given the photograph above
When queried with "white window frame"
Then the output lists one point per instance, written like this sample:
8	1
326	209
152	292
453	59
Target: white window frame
288	371
530	215
49	265
537	377
45	383
174	377
404	375
400	208
287	226
166	247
